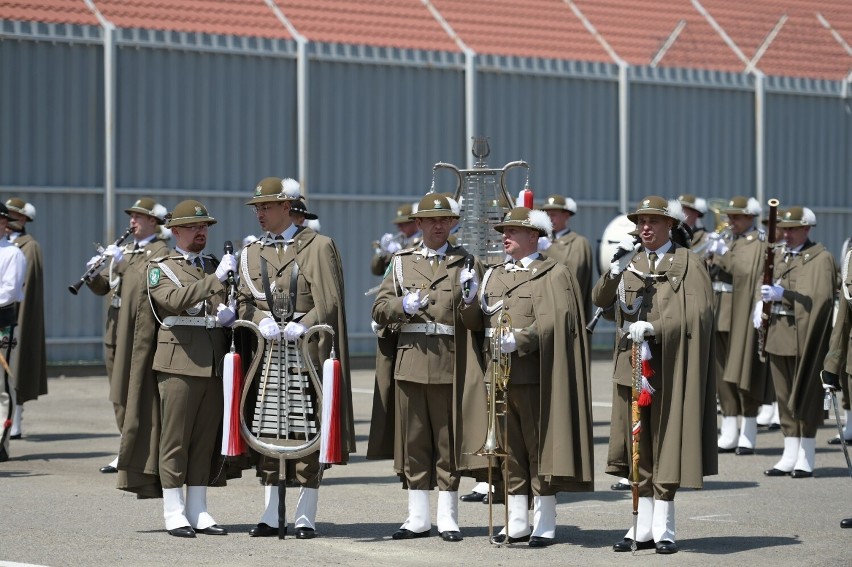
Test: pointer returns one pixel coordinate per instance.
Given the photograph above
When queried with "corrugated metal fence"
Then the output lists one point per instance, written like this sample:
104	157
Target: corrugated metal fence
206	117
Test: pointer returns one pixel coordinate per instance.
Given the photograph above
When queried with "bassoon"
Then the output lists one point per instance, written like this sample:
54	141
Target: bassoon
768	271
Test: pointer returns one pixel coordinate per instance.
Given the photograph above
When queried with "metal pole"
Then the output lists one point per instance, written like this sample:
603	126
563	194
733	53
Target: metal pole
109	132
623	137
759	135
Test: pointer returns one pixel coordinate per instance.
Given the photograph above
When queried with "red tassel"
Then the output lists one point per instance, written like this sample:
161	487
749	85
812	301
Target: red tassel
232	379
647	370
644	398
527	195
330	445
237	445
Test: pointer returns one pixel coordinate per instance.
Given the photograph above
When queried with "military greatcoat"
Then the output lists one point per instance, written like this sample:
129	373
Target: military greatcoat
120	279
29	359
545	306
804	328
678	302
575	252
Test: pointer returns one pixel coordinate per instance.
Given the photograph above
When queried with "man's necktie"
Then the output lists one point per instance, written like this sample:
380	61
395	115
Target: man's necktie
197	263
652	262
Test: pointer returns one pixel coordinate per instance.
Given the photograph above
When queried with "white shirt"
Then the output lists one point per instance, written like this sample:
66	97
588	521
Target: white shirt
13	267
659	252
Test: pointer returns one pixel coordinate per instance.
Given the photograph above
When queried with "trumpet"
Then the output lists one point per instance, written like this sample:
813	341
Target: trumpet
498	394
96	267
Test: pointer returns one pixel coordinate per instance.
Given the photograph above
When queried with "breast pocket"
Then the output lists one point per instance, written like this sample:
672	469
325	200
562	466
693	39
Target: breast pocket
170	352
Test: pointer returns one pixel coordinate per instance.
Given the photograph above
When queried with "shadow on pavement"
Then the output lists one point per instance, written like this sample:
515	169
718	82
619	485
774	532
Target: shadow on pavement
46	437
727	545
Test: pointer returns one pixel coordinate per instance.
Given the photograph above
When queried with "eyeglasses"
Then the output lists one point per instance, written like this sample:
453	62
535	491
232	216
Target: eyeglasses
265	207
196	227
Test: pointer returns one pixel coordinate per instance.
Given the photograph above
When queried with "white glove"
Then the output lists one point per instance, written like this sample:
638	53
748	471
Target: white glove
115	252
543	243
472	279
228	264
771	292
639	329
226	314
388	244
293	331
717	245
412	302
269	329
621	264
375	327
94	260
507	343
757	315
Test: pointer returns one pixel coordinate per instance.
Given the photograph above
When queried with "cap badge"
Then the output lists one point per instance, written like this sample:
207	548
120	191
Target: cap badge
199	212
646	204
258	191
437	203
551	201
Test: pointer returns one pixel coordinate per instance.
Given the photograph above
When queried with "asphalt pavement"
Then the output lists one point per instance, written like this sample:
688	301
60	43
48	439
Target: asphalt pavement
57	509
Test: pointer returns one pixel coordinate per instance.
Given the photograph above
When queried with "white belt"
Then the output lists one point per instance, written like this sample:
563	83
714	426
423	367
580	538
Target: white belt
722	287
208	321
778	309
489	332
115	301
430	328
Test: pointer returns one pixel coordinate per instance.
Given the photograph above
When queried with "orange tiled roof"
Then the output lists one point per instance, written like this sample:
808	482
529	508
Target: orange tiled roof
48	11
388	23
635	29
228	17
533	28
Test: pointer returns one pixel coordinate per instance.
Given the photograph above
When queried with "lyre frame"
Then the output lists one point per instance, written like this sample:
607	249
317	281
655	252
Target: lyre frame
311	443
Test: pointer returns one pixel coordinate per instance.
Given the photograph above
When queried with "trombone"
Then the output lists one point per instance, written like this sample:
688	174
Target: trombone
498	397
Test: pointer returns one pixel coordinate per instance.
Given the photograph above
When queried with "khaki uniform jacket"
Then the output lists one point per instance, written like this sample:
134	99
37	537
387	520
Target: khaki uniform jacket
679	304
575	252
123	319
549	295
29	358
808	280
838	359
437	359
320	296
742	267
189	351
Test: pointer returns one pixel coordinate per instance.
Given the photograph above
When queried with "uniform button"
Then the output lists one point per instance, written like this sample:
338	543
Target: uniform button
433	301
434	286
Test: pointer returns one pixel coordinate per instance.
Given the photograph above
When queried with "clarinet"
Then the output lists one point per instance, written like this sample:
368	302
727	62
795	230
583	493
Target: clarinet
96	267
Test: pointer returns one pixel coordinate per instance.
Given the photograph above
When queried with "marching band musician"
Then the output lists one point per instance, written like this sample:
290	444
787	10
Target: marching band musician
797	340
407	235
548	415
29	359
662	295
169	435
287	249
433	353
837	366
13	265
736	265
568	247
694	209
127	262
